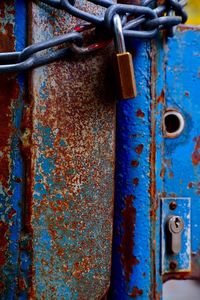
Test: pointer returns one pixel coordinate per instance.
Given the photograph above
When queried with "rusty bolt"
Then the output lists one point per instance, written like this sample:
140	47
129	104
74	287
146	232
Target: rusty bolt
173	205
173	264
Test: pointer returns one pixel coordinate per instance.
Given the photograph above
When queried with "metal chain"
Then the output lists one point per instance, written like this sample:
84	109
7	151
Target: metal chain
143	21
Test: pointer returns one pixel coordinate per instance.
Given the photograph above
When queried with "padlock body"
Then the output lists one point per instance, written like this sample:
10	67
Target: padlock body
125	75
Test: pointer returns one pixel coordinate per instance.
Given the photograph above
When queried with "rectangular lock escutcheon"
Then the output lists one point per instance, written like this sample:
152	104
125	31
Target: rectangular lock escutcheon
175	235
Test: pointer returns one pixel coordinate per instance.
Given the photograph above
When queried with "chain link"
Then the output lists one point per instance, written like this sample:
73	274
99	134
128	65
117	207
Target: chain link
143	21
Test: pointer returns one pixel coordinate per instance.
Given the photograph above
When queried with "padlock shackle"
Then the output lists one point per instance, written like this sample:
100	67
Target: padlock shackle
119	37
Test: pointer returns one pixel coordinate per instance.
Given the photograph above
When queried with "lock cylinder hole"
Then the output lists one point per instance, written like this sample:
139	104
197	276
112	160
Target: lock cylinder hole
173	123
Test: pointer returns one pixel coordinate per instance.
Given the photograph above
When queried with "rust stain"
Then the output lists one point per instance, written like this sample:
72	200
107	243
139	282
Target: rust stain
196	153
9	92
127	242
152	159
194	185
136	181
163	171
139	148
161	97
4	231
11	213
190	185
21	284
140	113
136	292
135	163
78	127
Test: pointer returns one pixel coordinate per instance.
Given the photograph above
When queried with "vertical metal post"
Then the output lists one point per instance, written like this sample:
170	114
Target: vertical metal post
13	37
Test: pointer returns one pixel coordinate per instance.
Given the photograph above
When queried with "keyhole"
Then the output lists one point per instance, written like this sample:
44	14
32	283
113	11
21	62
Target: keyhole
173	123
177	223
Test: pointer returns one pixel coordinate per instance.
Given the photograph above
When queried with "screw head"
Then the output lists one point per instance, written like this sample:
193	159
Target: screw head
173	264
173	205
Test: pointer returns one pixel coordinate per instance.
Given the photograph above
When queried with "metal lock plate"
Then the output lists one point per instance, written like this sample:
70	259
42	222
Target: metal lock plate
176	235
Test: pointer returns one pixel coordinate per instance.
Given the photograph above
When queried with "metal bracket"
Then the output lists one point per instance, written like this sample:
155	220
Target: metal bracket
175	261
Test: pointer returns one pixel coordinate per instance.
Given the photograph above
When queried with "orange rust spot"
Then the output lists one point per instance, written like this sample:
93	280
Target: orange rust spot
190	185
161	98
4	230
136	181
53	289
171	174
153	213
127	242
9	193
65	268
61	252
135	163
2	286
81	267
139	149
11	213
152	160
18	180
136	292
140	113
196	153
21	284
53	233
162	172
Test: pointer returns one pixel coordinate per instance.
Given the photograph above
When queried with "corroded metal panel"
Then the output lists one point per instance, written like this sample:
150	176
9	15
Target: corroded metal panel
178	161
150	166
71	169
11	166
132	273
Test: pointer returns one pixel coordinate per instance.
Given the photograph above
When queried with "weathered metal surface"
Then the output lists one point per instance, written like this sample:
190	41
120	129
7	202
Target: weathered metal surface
181	207
150	166
12	17
72	168
131	273
55	238
177	163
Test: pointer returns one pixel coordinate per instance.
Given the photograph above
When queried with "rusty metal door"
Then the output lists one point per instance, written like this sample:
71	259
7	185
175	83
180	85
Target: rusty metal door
58	164
157	168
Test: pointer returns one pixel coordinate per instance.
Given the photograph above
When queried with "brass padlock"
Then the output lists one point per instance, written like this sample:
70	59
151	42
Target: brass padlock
124	63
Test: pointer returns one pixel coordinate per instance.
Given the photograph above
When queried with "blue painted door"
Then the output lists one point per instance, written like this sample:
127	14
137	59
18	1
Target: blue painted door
157	168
